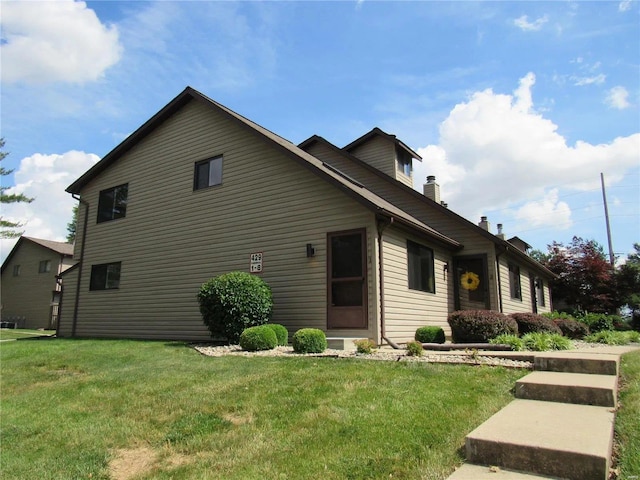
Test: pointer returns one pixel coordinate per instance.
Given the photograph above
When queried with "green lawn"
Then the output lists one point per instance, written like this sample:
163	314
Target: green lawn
17	333
77	409
628	418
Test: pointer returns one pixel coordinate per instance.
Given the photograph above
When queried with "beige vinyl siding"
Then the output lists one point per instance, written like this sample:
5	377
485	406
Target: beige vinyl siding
172	238
377	152
67	304
513	305
405	309
27	297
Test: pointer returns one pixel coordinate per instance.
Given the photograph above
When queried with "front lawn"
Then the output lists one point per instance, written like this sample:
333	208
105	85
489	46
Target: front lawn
17	333
628	417
118	409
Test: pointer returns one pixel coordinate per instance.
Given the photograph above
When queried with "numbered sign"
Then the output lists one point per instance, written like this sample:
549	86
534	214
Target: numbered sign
255	265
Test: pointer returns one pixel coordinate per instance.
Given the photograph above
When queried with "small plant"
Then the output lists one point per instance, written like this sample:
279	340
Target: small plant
414	349
470	326
559	342
282	334
610	337
234	301
430	334
598	322
542	342
261	337
365	345
309	340
513	341
532	322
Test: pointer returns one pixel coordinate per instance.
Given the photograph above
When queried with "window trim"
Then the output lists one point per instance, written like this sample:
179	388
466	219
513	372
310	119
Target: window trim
515	282
94	272
540	297
103	193
16	270
431	268
209	161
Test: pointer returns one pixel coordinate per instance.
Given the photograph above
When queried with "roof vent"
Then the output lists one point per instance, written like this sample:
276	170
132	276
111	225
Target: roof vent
500	235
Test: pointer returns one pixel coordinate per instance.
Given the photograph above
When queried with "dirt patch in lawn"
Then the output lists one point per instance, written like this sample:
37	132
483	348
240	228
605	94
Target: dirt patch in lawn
127	463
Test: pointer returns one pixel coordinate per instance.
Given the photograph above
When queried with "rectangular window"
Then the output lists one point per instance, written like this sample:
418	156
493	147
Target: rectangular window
105	276
404	161
514	281
112	203
207	173
44	266
16	270
420	267
540	292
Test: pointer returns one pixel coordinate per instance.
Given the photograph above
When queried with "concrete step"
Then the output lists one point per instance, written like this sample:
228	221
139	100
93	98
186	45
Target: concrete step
469	471
577	362
580	388
546	438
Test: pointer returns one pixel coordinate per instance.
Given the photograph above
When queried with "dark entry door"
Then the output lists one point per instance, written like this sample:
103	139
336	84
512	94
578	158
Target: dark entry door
347	280
471	284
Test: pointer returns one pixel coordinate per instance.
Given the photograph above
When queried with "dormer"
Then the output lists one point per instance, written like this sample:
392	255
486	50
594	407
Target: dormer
386	153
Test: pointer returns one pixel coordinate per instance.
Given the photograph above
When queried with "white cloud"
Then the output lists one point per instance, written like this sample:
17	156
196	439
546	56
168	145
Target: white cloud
624	5
496	151
547	211
618	98
55	41
45	177
525	25
594	80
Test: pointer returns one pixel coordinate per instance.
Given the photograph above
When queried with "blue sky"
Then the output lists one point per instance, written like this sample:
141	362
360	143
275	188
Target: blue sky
516	107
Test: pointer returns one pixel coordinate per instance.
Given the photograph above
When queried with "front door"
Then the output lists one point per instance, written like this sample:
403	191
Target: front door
347	279
471	285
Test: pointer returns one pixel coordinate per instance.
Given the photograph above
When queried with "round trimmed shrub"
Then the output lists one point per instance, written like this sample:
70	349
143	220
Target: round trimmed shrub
257	338
571	328
532	322
309	340
282	334
471	326
234	301
430	334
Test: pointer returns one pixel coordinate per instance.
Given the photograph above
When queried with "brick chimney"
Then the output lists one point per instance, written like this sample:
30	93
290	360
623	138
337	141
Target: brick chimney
432	189
484	223
500	235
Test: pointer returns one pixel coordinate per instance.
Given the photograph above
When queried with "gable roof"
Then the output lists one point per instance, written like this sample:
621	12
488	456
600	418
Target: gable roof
61	248
376	132
504	245
352	188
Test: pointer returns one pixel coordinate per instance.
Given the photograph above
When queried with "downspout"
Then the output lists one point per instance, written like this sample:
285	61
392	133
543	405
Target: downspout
499	279
381	227
80	262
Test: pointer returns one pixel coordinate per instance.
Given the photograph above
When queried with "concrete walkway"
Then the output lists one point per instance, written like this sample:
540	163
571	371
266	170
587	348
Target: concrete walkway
560	426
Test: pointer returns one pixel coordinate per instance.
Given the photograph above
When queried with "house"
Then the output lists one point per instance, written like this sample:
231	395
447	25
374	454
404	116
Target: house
30	291
343	240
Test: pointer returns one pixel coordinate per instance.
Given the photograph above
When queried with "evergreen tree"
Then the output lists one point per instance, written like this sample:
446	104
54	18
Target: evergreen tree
72	225
7	228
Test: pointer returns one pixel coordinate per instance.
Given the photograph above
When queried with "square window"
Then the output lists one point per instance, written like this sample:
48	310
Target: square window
44	266
105	276
514	281
112	203
207	173
420	267
16	270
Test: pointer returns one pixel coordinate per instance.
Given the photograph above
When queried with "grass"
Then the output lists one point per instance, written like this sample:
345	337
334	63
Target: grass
17	333
627	423
113	409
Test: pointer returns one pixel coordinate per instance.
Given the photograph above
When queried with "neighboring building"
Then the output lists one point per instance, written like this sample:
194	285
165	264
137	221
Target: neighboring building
30	291
343	240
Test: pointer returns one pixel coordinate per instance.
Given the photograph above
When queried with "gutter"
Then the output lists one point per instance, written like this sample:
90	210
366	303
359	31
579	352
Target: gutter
382	225
80	262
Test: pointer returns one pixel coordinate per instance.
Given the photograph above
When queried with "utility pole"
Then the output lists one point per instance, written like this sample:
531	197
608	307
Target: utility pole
612	260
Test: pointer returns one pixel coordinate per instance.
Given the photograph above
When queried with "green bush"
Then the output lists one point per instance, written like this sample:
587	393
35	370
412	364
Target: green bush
610	337
365	345
597	322
469	326
544	341
513	341
430	334
532	322
414	349
234	301
572	328
282	334
309	340
261	337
